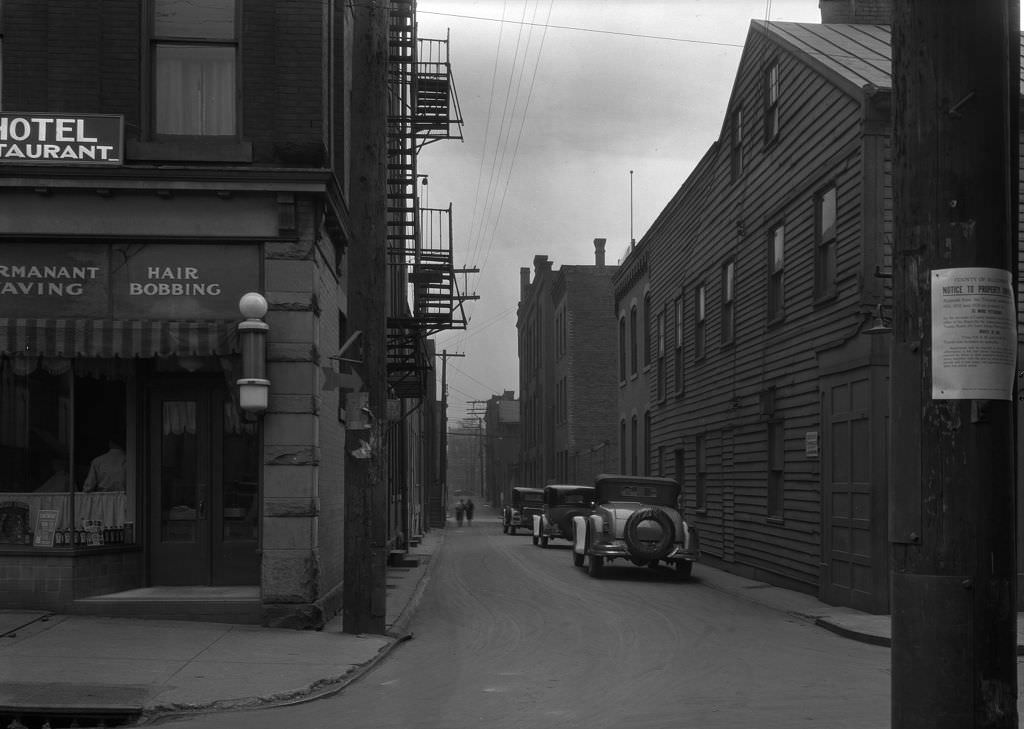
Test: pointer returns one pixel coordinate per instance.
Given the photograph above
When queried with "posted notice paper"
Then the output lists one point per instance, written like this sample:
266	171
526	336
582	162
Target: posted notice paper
974	334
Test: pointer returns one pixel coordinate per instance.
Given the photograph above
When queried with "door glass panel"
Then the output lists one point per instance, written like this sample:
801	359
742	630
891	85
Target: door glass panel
180	498
241	458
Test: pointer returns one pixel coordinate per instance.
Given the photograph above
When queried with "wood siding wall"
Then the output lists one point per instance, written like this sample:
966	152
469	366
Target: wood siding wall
714	219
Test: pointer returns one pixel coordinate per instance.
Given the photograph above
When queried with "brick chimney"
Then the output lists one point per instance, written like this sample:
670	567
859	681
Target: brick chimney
541	265
599	251
866	12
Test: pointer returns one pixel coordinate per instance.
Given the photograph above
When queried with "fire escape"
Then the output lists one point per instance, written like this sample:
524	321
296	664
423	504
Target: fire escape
426	291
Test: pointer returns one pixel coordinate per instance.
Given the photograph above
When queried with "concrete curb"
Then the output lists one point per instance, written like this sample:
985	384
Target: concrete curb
320	689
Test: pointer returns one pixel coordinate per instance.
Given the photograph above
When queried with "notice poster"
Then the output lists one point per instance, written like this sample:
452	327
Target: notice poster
974	334
46	525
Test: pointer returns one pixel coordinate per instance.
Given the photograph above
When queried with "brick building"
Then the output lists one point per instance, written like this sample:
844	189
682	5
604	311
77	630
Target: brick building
566	327
501	447
161	159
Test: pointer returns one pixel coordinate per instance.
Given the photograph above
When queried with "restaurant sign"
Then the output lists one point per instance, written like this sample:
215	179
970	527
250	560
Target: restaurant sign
93	139
173	281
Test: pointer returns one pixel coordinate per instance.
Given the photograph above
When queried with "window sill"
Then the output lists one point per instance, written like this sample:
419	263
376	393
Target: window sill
775	520
190	149
824	299
776	320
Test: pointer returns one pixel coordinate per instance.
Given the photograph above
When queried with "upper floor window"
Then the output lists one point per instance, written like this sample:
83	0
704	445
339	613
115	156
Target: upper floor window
660	344
771	103
736	143
622	348
648	453
776	267
633	343
776	467
677	313
728	302
699	319
701	467
647	329
825	243
633	444
622	446
195	67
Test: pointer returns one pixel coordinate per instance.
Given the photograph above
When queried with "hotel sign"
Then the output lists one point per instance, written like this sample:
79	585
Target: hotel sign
173	281
63	139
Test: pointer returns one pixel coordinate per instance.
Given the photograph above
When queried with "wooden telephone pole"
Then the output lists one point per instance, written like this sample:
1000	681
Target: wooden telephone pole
365	568
956	78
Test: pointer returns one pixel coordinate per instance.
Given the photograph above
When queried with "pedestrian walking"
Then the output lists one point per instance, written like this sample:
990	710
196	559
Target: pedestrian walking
460	512
469	512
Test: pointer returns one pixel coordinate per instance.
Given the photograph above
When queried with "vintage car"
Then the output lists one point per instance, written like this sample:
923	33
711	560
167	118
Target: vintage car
635	518
526	502
561	503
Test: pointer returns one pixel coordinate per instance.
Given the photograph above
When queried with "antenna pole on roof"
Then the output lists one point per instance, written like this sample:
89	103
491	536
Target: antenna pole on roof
632	238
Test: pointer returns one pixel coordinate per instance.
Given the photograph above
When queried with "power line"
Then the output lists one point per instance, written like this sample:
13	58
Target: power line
585	30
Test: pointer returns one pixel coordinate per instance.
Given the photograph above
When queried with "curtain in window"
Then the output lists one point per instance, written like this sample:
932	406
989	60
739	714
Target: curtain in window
195	90
179	417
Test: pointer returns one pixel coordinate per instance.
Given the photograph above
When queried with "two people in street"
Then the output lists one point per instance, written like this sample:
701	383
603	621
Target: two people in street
464	510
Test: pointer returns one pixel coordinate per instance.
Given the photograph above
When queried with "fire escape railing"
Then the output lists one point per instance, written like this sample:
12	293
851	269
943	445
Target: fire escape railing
424	291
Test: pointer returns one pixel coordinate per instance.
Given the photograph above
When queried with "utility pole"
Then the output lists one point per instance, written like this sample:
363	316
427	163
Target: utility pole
445	354
952	513
364	592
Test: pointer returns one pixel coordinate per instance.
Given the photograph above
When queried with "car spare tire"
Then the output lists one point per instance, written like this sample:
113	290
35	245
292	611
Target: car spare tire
649	541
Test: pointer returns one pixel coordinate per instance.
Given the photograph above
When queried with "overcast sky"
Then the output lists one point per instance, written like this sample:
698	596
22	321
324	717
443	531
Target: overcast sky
560	101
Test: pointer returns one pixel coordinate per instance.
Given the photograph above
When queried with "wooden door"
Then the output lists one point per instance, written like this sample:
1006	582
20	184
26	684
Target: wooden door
848	494
203	495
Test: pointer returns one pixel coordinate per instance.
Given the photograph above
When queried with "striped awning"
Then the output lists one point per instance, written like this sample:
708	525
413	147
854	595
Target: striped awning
114	338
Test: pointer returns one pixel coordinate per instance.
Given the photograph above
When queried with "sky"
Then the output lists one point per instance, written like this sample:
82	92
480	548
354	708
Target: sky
581	119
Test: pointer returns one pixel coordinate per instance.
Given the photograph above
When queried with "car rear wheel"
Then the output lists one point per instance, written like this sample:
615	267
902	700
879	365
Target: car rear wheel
544	541
577	559
595	566
512	529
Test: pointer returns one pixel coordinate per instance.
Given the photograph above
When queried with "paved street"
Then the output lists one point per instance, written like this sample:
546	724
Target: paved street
509	634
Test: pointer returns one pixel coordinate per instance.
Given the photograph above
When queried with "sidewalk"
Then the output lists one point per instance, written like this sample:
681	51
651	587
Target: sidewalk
85	667
77	666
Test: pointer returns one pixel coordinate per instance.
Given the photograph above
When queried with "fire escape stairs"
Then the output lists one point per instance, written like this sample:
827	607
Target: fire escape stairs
423	108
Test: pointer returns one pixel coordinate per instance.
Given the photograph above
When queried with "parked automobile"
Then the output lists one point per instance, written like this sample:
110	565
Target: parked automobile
519	513
635	518
561	503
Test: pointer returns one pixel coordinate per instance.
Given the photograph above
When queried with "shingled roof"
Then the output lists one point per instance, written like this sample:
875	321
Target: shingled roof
857	55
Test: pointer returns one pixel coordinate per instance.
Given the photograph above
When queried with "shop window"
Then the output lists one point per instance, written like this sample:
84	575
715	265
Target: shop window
62	434
195	66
